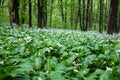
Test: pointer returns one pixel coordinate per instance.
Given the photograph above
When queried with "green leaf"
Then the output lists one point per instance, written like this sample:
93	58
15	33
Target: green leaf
60	67
83	72
38	63
88	60
92	76
105	76
56	76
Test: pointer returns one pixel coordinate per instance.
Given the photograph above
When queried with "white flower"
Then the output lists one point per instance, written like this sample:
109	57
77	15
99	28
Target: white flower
2	62
28	39
118	51
59	45
43	36
73	63
0	41
108	69
48	50
39	79
76	70
118	40
19	39
76	54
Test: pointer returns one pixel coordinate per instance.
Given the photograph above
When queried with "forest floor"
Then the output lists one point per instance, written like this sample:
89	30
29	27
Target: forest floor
56	54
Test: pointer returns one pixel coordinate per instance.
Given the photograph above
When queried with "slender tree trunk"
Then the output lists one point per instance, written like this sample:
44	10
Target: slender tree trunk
96	18
23	12
10	12
15	11
30	13
44	12
119	22
65	26
101	16
1	4
78	15
106	15
51	10
90	14
42	6
87	14
35	8
112	25
39	15
76	21
61	8
72	13
84	7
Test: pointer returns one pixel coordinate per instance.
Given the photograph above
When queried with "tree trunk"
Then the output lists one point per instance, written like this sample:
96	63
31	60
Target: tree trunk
72	13
44	12
119	22
10	12
51	10
1	4
34	11
16	11
39	15
78	15
106	14
91	19
61	8
101	16
30	13
23	12
87	14
112	25
65	26
83	18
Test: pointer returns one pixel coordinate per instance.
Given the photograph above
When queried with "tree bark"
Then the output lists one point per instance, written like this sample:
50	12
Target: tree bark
106	15
101	16
72	13
61	9
1	4
51	10
112	25
65	23
39	15
30	13
10	13
44	12
16	11
83	18
87	15
78	16
91	19
23	12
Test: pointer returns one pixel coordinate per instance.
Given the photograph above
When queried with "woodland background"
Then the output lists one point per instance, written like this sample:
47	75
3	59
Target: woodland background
84	15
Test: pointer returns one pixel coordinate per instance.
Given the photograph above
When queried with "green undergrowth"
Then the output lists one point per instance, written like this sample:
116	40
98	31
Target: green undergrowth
35	54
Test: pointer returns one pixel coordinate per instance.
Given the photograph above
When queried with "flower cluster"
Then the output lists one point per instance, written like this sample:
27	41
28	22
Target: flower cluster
108	69
28	38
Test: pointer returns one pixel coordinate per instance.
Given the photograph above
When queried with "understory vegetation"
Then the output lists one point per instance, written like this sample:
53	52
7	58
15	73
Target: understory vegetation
40	54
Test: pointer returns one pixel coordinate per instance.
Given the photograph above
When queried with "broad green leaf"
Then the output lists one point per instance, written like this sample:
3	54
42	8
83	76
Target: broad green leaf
56	76
83	72
38	63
